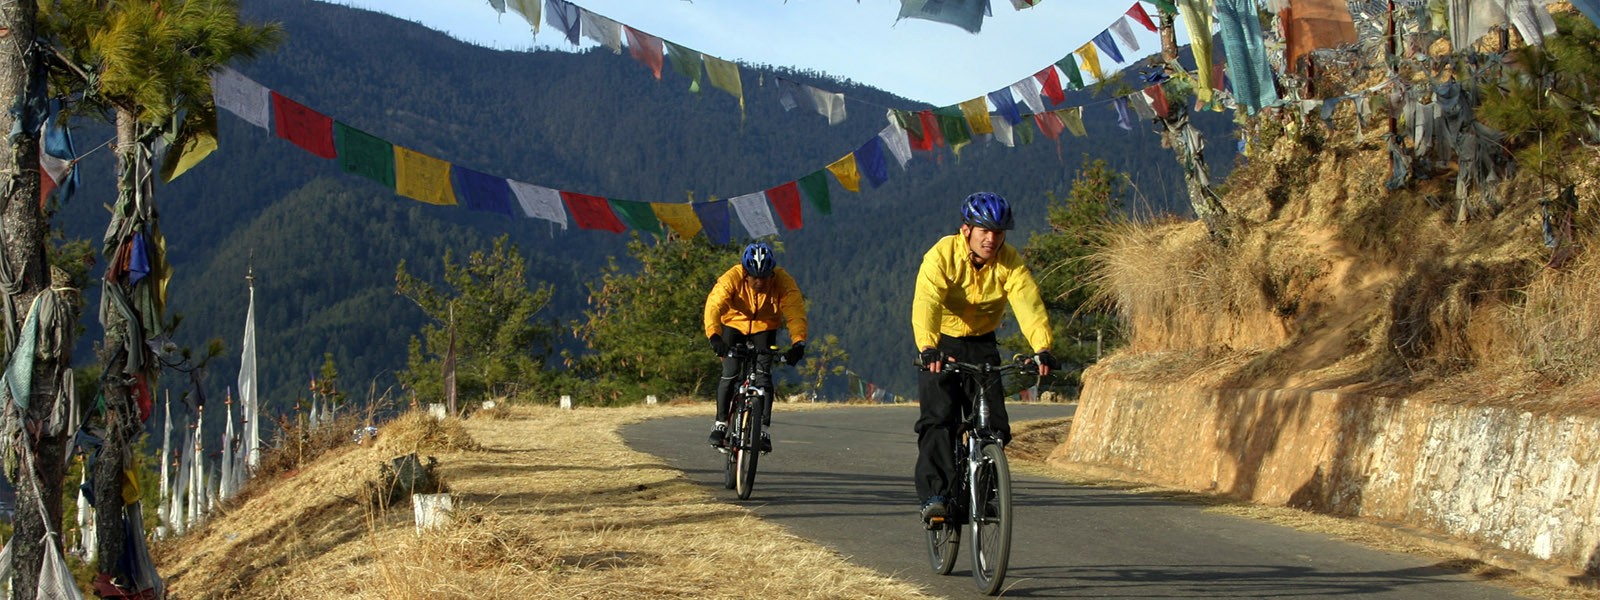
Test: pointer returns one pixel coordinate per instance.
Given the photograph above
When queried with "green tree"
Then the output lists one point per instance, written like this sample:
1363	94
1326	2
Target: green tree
500	344
1059	257
646	325
824	357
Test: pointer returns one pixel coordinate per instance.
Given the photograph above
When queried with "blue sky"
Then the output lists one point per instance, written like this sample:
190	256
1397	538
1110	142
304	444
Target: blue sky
857	40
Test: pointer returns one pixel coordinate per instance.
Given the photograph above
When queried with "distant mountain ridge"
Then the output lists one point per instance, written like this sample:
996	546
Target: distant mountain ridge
323	245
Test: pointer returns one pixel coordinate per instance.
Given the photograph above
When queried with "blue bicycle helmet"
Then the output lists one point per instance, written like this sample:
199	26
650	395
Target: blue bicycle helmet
987	210
758	260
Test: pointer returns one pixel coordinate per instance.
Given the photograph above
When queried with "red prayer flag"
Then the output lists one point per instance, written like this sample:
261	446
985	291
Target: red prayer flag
645	48
930	128
786	199
1158	99
592	212
1050	123
306	128
1138	14
1051	82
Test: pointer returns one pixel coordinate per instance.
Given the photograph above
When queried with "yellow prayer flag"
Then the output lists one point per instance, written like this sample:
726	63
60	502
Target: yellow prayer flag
845	169
1072	116
1090	59
977	112
679	217
725	76
422	177
194	149
1197	17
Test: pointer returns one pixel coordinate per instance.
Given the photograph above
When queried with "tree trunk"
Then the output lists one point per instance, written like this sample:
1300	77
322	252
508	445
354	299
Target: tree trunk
121	418
24	275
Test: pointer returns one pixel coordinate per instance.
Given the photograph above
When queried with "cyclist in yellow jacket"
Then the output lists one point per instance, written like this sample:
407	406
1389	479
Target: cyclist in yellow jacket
963	287
750	302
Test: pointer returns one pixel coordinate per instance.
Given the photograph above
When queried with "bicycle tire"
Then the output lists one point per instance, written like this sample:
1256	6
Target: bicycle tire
991	520
944	543
749	450
730	463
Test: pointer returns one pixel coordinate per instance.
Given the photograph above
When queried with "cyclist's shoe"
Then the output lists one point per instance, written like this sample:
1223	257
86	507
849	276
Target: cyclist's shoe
719	432
934	510
766	443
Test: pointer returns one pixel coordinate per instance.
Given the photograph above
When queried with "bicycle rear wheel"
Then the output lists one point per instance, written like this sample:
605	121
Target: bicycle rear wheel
991	520
749	451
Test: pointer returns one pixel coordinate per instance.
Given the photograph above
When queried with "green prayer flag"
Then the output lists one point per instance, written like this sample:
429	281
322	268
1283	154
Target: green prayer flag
636	215
687	63
1166	6
909	121
1069	65
364	154
815	188
1024	132
955	129
725	76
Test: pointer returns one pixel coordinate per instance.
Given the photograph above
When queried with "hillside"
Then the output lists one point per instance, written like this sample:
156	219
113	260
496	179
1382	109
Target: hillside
324	245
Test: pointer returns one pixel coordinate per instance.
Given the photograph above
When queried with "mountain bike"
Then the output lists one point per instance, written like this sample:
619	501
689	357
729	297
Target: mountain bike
750	402
982	497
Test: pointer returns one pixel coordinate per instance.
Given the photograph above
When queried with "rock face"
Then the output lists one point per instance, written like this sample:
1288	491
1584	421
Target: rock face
1492	476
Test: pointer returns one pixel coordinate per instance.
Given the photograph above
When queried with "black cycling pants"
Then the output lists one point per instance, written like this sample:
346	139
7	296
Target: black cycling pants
730	370
942	402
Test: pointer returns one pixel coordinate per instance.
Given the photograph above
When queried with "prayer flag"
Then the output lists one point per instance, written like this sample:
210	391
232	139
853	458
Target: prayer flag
310	130
786	200
592	212
1005	105
1069	65
363	154
602	30
482	192
725	76
815	188
196	139
966	14
563	16
539	202
422	177
1049	123
646	49
687	63
894	139
870	158
57	157
529	9
637	215
753	214
976	112
847	173
714	220
1072	118
246	99
1091	60
1121	106
1138	13
1109	46
680	218
1124	32
1027	89
1051	84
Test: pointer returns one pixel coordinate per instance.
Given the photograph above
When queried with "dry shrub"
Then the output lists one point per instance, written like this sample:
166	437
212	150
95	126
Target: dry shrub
1556	330
417	431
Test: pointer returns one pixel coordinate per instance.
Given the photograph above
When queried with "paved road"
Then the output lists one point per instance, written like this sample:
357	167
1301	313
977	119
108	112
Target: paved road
843	478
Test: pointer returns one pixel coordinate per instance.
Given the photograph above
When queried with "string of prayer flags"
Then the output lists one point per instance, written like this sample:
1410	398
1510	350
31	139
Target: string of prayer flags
302	126
423	178
592	212
539	202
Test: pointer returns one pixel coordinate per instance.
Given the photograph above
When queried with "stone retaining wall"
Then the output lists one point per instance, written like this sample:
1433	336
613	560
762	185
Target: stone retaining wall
1492	476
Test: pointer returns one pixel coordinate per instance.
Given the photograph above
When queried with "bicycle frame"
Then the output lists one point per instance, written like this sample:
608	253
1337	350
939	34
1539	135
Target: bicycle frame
746	412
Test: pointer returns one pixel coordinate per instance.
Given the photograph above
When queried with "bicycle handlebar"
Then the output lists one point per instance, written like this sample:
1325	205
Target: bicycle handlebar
741	351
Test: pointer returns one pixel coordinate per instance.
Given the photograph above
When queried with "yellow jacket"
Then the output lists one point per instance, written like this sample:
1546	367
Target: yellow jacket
956	299
733	303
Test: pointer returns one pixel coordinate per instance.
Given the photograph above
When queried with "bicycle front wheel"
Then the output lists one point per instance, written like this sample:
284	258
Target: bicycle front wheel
749	451
991	520
730	464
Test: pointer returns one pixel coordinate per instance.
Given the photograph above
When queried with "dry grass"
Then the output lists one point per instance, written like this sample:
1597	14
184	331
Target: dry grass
550	504
1330	280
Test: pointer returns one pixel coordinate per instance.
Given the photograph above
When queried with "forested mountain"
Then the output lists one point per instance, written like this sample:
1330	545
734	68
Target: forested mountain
324	245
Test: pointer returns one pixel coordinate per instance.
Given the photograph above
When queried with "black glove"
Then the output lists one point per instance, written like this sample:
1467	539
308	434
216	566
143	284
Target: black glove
930	356
718	346
1045	359
795	353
